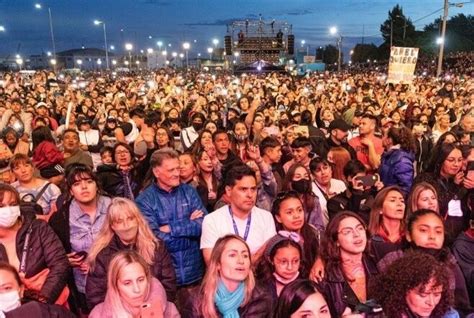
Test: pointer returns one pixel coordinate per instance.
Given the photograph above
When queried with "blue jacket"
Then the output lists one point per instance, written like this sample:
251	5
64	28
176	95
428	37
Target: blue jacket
174	209
396	168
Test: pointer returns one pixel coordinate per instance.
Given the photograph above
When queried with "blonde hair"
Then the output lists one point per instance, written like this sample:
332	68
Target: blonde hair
119	309
146	242
412	204
211	278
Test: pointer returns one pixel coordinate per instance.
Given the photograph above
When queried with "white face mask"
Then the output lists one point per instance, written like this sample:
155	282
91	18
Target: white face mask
9	300
9	215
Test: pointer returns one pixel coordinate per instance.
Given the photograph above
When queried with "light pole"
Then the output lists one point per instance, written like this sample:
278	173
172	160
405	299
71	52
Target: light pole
160	44
333	31
215	42
210	50
19	61
98	22
186	47
39	7
129	48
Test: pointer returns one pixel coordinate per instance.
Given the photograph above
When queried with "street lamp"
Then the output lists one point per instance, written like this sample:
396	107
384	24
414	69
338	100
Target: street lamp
2	28
149	50
114	62
98	22
439	40
38	6
53	62
160	44
186	47
210	50
129	48
112	47
333	31
215	42
19	61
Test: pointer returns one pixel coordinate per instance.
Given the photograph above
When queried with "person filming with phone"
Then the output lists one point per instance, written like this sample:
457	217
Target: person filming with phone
360	193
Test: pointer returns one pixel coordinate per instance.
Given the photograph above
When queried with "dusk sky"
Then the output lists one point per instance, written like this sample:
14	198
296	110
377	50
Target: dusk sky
188	20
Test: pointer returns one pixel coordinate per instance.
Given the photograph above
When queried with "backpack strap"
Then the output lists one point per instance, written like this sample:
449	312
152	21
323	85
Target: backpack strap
43	189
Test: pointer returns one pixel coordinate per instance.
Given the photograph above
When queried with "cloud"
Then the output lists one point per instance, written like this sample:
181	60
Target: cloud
222	21
299	12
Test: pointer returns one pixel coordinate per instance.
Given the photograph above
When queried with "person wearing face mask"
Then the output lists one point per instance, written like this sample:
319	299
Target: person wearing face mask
126	229
11	296
298	179
190	134
132	291
241	136
358	197
32	248
281	262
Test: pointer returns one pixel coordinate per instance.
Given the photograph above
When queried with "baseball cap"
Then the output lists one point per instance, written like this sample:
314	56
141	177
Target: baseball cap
339	124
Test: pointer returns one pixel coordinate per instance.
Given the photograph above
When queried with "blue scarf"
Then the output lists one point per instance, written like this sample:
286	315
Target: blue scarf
228	302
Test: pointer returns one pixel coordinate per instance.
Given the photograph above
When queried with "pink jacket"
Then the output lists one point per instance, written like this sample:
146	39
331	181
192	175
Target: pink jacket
157	296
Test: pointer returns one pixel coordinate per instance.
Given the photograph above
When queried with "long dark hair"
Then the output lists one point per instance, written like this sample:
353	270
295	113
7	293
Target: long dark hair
438	156
265	267
293	296
330	250
308	199
41	134
307	232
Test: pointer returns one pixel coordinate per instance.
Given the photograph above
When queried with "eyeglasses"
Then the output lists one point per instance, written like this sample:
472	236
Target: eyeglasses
351	231
122	152
286	263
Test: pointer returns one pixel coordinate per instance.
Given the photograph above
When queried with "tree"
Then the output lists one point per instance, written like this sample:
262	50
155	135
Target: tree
330	54
459	35
362	52
403	29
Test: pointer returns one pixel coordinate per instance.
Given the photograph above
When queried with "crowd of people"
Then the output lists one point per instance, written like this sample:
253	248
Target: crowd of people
194	194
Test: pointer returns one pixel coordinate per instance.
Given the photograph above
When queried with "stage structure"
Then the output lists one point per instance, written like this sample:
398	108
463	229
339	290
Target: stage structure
259	44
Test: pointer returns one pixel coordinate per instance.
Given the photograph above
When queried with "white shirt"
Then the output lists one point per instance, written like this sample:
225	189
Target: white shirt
219	223
335	186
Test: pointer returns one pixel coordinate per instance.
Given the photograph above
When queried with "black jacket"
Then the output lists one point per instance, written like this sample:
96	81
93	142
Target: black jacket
423	153
112	181
260	305
44	251
447	190
352	200
337	291
162	269
39	310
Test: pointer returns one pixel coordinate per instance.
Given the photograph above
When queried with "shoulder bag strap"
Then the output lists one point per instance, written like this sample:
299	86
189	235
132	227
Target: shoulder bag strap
24	253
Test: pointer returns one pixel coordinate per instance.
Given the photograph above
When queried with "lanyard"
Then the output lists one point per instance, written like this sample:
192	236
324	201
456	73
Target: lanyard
247	227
